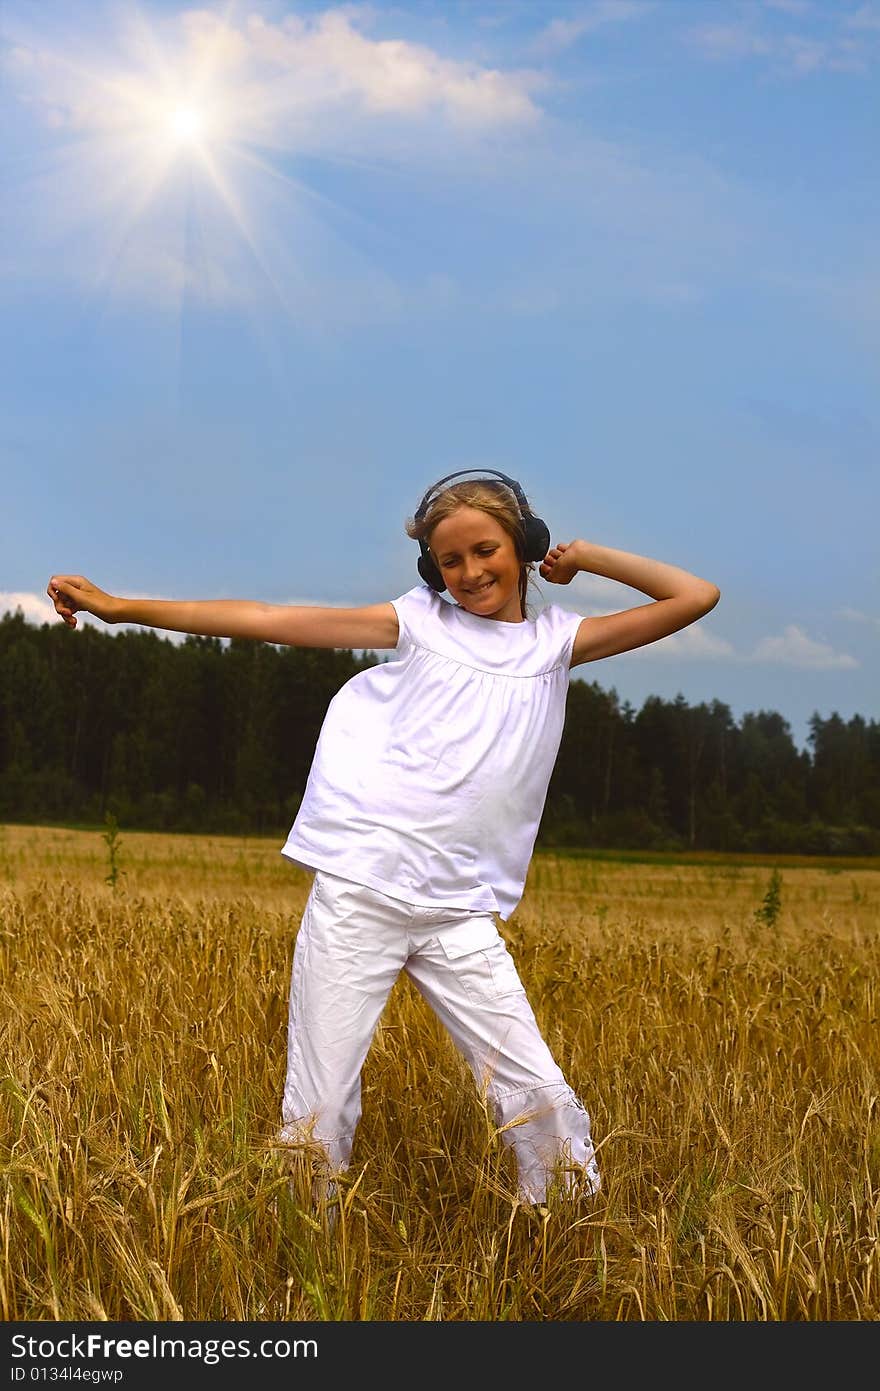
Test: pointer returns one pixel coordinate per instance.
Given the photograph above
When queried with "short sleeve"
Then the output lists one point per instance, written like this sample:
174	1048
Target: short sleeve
560	630
411	609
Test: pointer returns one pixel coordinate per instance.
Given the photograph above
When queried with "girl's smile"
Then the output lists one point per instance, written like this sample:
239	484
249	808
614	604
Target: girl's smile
478	560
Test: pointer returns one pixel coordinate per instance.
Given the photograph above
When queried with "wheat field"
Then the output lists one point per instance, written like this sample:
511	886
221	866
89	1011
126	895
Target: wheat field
723	1034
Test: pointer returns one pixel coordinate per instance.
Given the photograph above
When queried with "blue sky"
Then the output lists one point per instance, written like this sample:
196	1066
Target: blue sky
270	270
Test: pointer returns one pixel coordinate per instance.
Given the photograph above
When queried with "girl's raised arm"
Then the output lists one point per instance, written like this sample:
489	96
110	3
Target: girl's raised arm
679	597
293	625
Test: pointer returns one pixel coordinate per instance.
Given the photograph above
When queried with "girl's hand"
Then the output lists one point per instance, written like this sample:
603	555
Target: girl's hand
560	566
73	594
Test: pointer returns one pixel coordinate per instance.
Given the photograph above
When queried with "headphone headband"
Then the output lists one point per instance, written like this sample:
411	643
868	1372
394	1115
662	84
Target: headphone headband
511	483
536	535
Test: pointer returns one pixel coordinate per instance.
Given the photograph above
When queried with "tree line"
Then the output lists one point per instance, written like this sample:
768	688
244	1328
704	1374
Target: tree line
205	735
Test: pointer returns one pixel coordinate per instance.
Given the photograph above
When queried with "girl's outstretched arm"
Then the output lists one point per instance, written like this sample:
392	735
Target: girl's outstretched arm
679	597
293	625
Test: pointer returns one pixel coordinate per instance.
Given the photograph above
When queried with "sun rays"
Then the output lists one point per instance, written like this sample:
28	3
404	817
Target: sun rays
153	168
191	154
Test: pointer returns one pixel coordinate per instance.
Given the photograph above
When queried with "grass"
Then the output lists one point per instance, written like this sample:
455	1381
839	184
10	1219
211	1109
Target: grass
729	1065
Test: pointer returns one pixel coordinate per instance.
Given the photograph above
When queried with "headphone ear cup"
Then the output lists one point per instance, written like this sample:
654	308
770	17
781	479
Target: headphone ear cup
429	572
537	538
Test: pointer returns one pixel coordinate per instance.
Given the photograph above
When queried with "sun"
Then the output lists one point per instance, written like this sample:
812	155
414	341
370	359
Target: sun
187	125
162	151
181	125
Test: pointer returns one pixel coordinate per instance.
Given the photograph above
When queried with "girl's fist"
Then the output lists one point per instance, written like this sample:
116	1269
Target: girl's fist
72	594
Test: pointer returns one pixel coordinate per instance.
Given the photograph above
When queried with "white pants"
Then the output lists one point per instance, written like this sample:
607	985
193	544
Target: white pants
352	944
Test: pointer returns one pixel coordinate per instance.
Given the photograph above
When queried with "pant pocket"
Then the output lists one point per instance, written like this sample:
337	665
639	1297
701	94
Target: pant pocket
480	960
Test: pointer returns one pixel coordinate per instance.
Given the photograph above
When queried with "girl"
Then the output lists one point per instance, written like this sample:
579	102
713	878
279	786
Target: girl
423	802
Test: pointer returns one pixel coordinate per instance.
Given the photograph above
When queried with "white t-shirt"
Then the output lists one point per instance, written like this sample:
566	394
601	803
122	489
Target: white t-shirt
431	770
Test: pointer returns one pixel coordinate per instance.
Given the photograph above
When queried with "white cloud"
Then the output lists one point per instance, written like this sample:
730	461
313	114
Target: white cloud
824	41
267	83
699	643
694	644
560	34
803	55
329	62
790	6
857	616
37	608
729	41
588	594
795	649
262	91
865	17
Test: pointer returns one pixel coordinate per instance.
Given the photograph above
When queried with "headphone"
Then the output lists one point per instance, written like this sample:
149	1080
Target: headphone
536	541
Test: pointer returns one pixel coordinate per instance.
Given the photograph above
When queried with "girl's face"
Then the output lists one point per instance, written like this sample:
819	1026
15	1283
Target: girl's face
478	561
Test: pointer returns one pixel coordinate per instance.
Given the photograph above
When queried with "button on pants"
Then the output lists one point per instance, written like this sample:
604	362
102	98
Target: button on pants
352	944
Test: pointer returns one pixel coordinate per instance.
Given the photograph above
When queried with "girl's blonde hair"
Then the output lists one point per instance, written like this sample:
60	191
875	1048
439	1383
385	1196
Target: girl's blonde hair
483	494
